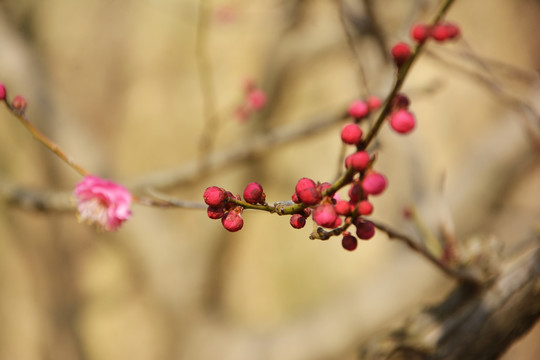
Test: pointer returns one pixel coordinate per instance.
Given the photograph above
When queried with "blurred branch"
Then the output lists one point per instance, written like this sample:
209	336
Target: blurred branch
366	24
352	45
211	120
375	28
36	200
462	275
221	159
258	146
488	81
470	324
42	138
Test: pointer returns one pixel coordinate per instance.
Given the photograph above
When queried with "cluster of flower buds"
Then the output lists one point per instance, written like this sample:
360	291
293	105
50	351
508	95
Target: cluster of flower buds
401	53
254	100
440	32
329	211
320	200
221	207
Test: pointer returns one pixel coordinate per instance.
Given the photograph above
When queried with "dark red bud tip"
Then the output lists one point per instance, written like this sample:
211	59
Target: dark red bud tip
306	212
349	242
215	212
401	52
355	192
298	221
253	193
400	101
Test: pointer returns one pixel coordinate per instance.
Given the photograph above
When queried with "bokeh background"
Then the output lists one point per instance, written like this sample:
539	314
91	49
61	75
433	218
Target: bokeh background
119	85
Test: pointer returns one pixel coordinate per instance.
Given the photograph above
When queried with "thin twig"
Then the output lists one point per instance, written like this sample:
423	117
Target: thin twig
204	68
163	200
414	245
42	138
364	87
527	110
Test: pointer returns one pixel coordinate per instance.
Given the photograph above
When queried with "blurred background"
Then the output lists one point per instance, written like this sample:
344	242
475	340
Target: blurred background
142	91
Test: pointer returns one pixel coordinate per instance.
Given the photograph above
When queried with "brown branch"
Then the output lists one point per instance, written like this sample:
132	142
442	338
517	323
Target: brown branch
185	173
470	324
257	146
364	87
206	80
463	276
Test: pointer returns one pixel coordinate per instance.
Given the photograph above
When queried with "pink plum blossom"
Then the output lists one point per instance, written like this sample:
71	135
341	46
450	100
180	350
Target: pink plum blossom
102	202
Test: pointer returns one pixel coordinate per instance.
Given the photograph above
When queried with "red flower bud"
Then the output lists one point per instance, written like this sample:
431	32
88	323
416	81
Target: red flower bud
349	242
351	134
373	102
452	30
325	215
400	101
358	161
253	193
358	109
232	220
401	52
215	212
445	31
257	99
355	191
402	121
307	192
420	32
374	183
298	221
343	207
364	229
214	196
19	103
364	207
2	91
